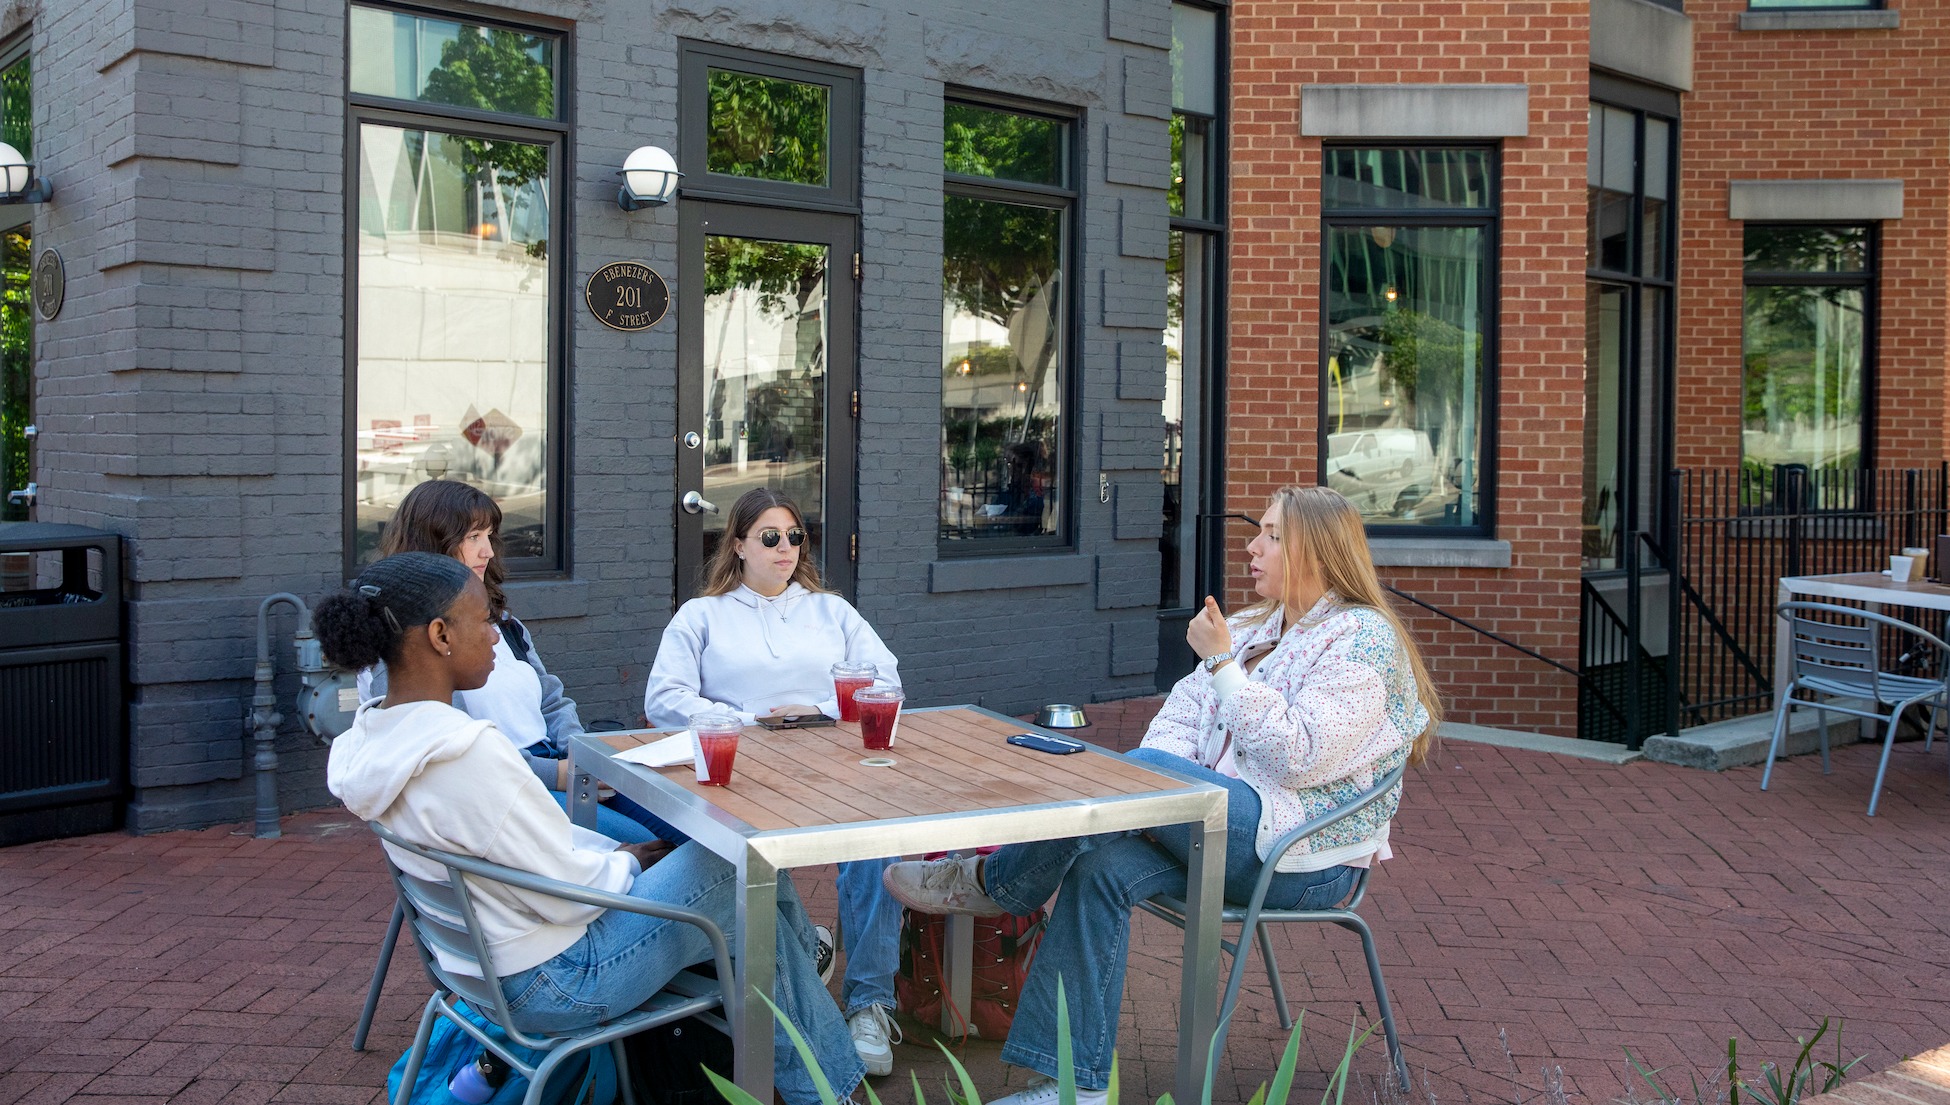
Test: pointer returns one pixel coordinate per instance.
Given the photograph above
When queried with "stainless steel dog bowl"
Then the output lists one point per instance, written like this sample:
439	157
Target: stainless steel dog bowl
1061	715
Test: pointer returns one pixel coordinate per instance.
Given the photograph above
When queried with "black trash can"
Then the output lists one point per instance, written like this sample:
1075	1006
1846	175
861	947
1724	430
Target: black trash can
63	744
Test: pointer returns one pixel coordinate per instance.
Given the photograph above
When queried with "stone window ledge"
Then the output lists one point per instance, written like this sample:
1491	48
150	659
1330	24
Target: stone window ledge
1002	573
1440	552
1857	19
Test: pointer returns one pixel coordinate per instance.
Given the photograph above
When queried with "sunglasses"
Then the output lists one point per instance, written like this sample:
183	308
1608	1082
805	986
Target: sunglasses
770	537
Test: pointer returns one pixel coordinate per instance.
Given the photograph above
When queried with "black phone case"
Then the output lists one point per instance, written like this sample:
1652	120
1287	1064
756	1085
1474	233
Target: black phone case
1039	743
800	721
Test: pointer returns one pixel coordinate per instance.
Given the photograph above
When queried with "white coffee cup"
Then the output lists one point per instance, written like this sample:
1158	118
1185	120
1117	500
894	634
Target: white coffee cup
1899	568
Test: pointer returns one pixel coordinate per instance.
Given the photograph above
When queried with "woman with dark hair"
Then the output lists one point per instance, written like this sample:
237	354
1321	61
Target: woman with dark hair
761	639
525	702
1303	702
440	778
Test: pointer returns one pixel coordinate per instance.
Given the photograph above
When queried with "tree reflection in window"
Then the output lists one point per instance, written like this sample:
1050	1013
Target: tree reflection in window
1004	332
767	128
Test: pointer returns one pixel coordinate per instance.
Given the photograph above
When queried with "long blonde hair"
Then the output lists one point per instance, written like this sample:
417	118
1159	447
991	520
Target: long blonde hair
724	573
1320	528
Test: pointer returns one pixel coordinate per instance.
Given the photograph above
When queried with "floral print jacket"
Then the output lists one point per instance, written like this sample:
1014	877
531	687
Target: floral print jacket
1331	709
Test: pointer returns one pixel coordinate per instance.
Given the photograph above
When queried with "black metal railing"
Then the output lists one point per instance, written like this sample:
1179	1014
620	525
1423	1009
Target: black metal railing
1739	531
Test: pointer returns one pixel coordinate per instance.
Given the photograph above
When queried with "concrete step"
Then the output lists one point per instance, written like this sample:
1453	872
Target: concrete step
1742	741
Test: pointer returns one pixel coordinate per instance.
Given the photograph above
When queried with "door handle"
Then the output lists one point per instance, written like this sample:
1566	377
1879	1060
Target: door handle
695	503
26	496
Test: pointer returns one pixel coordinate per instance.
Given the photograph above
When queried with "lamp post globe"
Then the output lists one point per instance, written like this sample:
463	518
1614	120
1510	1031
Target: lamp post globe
15	173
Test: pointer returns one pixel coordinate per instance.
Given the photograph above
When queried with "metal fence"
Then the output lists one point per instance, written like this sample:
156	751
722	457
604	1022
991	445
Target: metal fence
1739	531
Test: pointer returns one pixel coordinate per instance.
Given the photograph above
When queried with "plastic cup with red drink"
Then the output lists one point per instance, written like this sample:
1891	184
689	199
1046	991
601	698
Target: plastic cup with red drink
880	715
850	676
717	745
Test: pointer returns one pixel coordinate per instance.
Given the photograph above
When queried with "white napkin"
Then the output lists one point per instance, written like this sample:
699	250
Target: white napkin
678	748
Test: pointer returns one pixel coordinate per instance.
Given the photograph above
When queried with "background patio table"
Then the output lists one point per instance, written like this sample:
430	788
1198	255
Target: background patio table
1871	588
802	796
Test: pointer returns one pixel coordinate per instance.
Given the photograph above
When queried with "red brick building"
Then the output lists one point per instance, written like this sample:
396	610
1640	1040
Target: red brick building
1495	268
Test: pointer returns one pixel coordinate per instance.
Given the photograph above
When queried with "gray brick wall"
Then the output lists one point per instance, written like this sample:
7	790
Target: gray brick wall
191	395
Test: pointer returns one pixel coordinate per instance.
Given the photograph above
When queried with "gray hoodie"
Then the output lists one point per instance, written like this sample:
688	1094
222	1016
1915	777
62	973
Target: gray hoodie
444	780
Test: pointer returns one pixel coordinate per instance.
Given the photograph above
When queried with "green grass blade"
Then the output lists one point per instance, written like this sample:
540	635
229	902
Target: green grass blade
729	1090
1289	1062
804	1049
969	1095
1066	1067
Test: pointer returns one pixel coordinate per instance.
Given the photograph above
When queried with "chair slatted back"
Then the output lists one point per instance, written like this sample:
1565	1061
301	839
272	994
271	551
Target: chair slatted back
441	915
1845	654
438	916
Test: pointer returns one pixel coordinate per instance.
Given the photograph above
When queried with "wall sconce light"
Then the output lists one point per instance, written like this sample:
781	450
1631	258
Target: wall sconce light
18	184
650	179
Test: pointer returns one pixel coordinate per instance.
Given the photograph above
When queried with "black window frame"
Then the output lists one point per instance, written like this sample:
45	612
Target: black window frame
840	193
1211	237
1644	103
1870	281
1490	219
559	135
1068	200
14	49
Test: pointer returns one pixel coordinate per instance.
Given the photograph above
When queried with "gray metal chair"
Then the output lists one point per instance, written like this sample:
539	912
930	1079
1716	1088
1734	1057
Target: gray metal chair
1254	917
1836	651
442	916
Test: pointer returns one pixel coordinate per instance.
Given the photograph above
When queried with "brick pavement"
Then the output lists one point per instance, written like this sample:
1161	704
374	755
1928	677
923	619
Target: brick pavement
1568	907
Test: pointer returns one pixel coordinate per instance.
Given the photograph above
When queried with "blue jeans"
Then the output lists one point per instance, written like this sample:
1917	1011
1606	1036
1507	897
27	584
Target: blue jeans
625	958
611	823
870	923
1102	878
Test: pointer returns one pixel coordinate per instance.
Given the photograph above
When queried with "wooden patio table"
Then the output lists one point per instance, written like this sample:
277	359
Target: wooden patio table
1874	589
801	797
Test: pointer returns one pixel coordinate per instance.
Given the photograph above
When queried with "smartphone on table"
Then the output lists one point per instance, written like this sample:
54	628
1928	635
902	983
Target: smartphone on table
1055	746
796	721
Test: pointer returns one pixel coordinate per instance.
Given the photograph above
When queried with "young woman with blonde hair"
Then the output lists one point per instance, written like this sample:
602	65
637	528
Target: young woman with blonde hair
1302	702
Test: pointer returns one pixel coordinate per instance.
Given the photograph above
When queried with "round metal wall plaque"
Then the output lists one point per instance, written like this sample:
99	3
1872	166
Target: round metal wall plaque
50	284
627	295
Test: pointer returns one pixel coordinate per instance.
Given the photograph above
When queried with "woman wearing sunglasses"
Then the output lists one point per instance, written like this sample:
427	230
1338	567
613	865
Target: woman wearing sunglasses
761	639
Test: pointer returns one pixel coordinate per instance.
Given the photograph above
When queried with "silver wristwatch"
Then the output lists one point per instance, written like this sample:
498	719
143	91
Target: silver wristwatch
1212	662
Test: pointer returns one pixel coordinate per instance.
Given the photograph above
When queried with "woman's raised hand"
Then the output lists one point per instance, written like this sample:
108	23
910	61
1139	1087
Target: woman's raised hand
1207	632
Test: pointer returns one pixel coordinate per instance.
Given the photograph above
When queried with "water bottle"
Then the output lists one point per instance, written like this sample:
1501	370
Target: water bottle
476	1082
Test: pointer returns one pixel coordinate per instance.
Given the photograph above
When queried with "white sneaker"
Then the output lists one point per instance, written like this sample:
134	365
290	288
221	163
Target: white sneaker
1043	1091
874	1037
946	885
823	954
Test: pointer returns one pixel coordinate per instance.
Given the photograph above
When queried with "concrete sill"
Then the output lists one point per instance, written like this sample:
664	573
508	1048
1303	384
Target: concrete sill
1834	20
1440	552
1003	573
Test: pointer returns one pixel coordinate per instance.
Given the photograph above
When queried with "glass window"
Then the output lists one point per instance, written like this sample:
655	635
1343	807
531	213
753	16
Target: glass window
1409	299
405	56
16	310
767	128
1005	327
456	337
1005	145
1805	346
1628	329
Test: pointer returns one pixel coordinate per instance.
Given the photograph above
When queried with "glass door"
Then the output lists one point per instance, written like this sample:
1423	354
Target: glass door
766	377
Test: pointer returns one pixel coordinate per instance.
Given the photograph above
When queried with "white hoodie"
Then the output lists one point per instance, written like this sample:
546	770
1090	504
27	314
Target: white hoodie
444	780
750	653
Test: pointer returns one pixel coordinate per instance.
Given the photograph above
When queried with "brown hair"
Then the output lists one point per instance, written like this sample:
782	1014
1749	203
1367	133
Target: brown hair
723	573
1320	528
436	517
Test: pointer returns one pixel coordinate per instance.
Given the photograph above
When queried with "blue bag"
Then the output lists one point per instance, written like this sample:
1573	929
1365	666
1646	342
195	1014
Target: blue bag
448	1049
